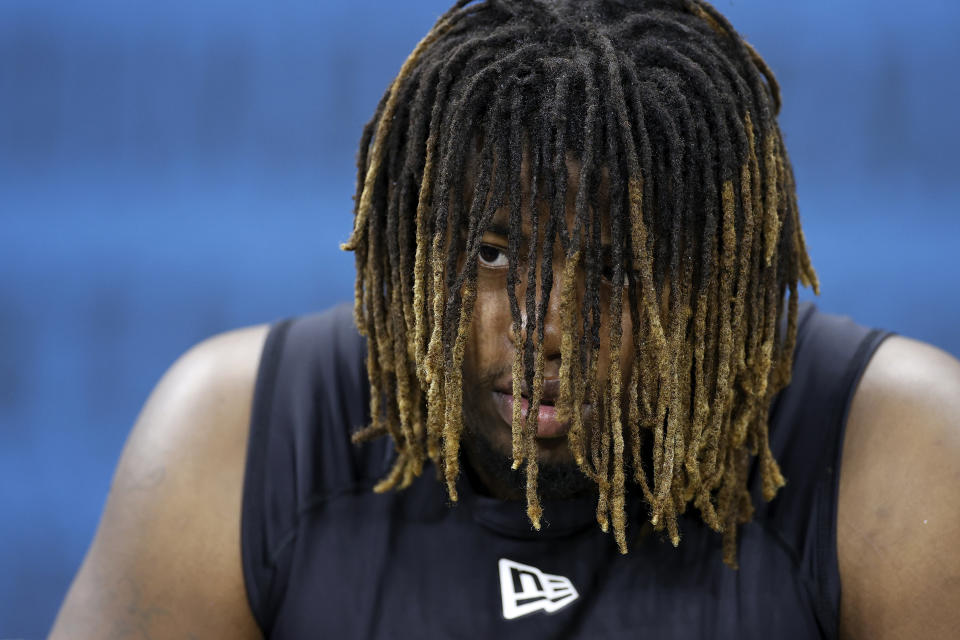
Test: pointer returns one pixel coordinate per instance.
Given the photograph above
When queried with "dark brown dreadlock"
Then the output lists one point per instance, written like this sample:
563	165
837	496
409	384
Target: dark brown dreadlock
677	112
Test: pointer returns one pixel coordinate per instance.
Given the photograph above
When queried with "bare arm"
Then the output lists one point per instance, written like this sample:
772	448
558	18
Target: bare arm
165	562
899	503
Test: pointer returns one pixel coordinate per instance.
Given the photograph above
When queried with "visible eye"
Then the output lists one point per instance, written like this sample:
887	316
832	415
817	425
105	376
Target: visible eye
492	256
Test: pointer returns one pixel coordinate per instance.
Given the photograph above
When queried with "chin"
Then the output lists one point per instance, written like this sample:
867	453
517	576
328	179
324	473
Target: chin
489	452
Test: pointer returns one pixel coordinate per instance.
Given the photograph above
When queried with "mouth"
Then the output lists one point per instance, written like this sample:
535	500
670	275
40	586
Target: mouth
549	425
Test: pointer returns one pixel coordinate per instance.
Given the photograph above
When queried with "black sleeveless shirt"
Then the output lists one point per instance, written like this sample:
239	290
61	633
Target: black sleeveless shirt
325	557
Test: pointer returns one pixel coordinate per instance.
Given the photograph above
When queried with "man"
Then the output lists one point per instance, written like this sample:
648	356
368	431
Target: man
578	253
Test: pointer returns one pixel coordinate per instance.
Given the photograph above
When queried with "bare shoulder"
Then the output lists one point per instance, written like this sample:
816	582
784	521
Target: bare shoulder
899	502
165	561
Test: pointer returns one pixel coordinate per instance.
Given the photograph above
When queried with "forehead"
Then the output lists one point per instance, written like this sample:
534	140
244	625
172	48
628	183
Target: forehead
595	200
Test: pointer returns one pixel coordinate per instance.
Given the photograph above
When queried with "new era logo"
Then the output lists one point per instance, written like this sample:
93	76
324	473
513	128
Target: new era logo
526	589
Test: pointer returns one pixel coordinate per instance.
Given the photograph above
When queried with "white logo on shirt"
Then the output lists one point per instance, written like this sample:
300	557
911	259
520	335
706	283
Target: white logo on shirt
526	589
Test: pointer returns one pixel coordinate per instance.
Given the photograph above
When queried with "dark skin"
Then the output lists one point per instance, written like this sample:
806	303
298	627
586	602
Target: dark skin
165	562
490	353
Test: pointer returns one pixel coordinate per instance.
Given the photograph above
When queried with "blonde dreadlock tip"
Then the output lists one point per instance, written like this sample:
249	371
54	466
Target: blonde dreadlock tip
675	540
770	490
534	515
655	520
383	486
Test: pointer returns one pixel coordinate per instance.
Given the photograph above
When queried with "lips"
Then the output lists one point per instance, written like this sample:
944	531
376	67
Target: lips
548	424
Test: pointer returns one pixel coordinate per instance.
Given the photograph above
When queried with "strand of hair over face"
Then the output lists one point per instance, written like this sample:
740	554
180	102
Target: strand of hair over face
685	230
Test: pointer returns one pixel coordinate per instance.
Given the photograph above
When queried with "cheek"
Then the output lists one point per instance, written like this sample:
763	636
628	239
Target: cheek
626	344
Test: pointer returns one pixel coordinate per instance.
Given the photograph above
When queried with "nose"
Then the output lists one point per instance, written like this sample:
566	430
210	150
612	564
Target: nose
552	320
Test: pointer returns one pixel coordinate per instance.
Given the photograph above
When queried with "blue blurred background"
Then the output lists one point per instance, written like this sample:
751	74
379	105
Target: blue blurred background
170	170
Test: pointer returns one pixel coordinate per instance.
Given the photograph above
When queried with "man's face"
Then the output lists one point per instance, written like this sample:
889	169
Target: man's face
489	357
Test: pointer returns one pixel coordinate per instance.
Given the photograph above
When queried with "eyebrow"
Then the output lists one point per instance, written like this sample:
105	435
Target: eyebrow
502	230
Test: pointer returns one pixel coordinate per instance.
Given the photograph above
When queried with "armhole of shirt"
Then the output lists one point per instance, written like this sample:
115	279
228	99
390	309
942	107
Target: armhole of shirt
259	569
827	531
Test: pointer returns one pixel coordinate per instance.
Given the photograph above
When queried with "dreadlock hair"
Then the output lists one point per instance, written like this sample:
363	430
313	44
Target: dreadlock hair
678	112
